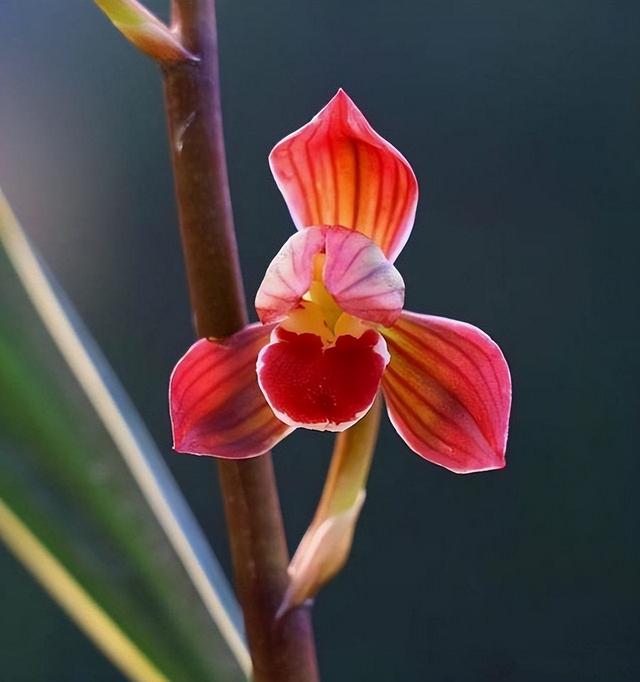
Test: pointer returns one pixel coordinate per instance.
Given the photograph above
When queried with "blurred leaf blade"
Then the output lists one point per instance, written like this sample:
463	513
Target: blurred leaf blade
74	600
80	476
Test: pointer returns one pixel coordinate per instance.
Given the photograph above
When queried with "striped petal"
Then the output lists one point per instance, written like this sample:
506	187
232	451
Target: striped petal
448	392
355	272
337	170
217	407
289	275
360	278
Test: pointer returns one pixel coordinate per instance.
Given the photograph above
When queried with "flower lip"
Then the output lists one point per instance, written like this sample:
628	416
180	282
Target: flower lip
310	385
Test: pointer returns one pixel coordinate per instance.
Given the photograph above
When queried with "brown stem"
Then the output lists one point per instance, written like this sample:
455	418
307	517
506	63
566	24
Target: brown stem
286	652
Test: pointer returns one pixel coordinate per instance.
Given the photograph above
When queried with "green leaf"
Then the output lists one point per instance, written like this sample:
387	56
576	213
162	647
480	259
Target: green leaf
86	501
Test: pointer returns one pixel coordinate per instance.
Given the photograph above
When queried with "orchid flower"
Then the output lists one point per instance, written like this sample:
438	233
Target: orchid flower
332	328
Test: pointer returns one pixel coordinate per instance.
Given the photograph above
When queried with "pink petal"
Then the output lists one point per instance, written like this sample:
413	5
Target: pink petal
337	170
289	275
326	389
217	407
356	273
448	392
362	281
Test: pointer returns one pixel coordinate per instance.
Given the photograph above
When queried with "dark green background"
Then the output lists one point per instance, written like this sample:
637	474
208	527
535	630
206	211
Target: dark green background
521	121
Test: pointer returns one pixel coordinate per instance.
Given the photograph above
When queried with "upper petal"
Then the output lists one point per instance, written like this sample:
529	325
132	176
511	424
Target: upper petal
363	282
448	392
217	407
336	170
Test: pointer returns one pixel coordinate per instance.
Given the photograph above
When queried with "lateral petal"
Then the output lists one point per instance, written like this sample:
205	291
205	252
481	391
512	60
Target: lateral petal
448	392
289	275
217	407
336	170
363	282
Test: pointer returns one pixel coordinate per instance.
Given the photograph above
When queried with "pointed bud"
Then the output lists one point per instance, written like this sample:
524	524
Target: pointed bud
145	31
321	554
325	547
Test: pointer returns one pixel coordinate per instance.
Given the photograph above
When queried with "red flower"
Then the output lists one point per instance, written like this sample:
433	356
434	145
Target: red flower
332	329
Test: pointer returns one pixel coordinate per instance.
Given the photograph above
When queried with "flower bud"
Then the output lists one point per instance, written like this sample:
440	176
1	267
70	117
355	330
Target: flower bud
145	31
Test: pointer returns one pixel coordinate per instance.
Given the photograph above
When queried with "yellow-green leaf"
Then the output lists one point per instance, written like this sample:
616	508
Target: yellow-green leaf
86	502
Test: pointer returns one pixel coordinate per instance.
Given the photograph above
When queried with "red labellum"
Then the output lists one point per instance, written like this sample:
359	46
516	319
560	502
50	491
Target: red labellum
325	388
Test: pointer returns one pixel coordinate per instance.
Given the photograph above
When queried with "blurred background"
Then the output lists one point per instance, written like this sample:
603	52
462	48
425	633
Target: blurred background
520	119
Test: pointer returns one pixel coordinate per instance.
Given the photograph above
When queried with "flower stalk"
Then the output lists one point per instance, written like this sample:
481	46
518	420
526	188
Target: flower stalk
325	547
